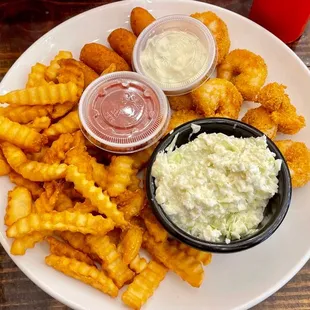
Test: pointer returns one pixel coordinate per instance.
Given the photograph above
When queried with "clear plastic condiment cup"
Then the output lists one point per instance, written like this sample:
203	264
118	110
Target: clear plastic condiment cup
206	59
123	112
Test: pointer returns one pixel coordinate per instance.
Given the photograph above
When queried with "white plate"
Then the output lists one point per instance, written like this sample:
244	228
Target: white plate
233	281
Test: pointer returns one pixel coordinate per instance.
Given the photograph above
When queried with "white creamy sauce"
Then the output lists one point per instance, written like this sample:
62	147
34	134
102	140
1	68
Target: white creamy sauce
173	57
216	187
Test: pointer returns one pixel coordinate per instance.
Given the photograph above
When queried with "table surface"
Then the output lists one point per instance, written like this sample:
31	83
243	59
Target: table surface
24	21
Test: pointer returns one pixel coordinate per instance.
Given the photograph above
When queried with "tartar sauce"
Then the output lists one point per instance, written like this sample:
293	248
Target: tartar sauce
173	57
216	187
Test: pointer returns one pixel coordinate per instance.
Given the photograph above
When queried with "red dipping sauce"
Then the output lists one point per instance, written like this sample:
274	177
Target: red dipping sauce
286	19
123	112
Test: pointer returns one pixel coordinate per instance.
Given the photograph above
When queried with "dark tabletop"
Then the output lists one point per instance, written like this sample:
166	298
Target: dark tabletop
24	21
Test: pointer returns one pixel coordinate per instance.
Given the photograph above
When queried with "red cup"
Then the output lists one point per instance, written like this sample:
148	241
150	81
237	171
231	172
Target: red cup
286	19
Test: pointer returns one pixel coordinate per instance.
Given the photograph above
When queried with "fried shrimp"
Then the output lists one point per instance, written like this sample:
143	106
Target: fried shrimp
181	117
260	118
217	97
246	70
219	30
297	156
183	102
283	113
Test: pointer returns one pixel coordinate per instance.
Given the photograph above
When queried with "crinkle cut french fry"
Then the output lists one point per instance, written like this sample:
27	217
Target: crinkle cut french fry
83	207
63	203
59	110
38	156
89	74
4	166
70	70
68	124
138	264
130	203
144	285
22	244
31	170
100	174
19	205
25	113
119	175
56	153
83	272
72	221
35	189
130	244
134	183
21	135
154	228
111	260
60	248
52	69
48	199
95	195
42	95
187	267
39	123
36	76
141	158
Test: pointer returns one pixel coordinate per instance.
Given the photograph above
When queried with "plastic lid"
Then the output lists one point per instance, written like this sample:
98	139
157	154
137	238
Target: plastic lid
123	112
195	53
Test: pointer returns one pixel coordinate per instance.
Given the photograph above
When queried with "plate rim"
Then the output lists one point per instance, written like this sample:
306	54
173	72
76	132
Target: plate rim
39	282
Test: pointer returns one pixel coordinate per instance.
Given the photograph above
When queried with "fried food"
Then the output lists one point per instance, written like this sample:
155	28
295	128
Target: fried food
68	124
260	118
187	267
95	195
60	248
138	264
42	95
36	76
246	70
119	175
283	113
100	174
130	203
134	183
22	136
52	70
181	117
72	221
122	42
39	123
19	205
112	68
99	57
22	244
130	244
219	31
25	114
141	158
31	170
35	189
63	203
297	156
60	110
144	285
112	262
4	166
48	199
70	70
183	102
218	97
83	272
89	74
57	152
38	156
140	18
154	228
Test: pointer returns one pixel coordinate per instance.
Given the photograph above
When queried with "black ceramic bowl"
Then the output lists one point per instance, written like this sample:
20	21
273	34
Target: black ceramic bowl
274	212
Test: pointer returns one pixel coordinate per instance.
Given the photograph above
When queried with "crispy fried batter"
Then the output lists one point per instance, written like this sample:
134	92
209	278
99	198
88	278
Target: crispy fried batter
297	156
260	118
219	30
141	158
51	71
140	18
246	70
183	102
89	74
36	76
217	97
